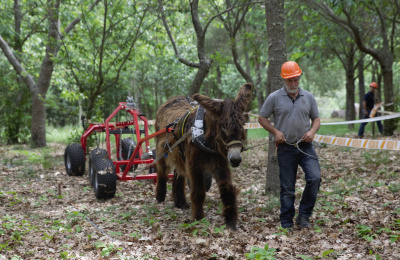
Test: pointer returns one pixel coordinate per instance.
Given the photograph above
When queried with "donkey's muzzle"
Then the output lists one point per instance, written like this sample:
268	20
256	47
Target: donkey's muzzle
234	156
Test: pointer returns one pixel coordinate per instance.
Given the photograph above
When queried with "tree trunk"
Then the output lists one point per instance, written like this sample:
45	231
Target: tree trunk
257	85
389	125
350	90
361	87
275	17
201	74
38	126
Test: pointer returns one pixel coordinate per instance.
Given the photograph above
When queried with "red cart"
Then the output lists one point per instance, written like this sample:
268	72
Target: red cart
103	171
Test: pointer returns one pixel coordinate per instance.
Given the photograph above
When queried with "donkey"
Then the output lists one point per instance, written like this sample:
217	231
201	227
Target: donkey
216	140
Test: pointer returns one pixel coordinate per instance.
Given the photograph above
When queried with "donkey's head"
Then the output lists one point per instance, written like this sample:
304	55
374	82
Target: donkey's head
225	123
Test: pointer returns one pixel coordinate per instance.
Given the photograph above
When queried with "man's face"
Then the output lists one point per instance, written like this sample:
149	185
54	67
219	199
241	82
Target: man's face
292	85
372	89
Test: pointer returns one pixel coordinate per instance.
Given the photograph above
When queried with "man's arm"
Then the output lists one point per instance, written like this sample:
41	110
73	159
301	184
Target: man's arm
309	136
365	108
279	136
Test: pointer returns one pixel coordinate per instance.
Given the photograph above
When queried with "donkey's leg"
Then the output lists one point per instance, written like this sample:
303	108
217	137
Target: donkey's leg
178	191
162	178
228	196
197	191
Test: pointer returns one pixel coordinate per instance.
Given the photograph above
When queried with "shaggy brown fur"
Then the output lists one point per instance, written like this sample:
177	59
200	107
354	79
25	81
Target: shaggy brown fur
224	123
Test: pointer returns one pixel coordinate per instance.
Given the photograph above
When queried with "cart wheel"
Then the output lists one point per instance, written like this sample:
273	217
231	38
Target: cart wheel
95	154
105	178
207	179
152	169
74	159
127	147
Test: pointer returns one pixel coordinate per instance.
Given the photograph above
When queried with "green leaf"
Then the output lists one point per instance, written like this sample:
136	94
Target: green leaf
327	252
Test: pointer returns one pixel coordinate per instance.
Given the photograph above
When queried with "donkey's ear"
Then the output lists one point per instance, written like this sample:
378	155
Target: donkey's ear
244	95
209	104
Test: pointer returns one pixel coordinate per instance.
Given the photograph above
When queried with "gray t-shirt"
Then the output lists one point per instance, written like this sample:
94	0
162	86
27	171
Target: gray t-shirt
292	118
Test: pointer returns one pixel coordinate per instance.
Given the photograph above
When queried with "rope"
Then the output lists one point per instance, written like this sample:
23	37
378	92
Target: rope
294	144
298	148
252	147
164	152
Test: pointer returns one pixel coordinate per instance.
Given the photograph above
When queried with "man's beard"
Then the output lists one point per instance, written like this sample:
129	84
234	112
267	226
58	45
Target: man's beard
292	91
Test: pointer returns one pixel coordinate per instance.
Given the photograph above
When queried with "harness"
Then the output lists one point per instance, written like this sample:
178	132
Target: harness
198	131
180	127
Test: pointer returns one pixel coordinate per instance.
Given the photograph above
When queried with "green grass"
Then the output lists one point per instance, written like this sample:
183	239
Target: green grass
341	130
59	134
62	134
331	130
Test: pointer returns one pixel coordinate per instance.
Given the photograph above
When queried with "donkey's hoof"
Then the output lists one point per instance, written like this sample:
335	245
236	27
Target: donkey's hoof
231	225
182	205
160	198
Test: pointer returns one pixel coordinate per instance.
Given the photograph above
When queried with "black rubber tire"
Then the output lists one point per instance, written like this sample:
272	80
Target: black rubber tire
95	154
74	160
127	147
207	179
105	178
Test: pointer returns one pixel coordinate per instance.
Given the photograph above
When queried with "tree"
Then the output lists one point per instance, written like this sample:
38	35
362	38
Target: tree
38	86
324	41
355	18
105	43
235	23
204	63
276	57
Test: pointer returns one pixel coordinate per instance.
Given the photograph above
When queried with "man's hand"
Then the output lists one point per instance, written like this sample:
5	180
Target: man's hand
279	137
308	137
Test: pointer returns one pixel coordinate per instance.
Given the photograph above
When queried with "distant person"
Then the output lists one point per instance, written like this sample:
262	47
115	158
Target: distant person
292	108
368	104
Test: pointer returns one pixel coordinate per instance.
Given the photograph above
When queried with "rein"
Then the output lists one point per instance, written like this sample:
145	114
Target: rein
165	152
298	148
295	145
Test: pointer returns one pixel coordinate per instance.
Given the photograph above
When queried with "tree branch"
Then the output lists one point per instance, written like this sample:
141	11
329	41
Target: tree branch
77	20
171	38
26	77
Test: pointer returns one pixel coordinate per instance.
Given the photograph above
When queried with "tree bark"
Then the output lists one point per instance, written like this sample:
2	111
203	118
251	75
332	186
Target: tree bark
38	125
275	18
350	87
361	87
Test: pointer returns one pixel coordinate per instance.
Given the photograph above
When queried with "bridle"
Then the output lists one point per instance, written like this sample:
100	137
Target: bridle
227	145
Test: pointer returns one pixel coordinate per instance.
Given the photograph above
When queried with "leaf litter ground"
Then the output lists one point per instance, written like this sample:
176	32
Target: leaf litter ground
46	214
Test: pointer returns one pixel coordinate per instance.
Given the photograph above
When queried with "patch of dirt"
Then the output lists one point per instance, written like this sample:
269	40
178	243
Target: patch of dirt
46	214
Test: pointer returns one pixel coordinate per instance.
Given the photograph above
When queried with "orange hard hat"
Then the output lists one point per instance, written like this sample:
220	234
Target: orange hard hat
290	69
373	84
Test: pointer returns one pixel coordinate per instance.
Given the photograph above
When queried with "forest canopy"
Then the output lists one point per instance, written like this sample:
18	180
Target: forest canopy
64	59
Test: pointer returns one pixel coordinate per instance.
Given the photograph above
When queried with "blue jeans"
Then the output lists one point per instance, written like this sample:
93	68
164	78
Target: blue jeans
289	157
362	126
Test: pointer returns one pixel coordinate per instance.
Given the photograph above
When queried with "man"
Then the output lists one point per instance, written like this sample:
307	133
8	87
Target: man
368	105
292	109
